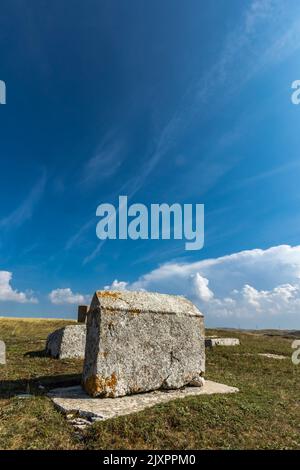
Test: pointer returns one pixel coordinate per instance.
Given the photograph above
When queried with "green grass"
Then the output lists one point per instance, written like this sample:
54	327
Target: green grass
265	414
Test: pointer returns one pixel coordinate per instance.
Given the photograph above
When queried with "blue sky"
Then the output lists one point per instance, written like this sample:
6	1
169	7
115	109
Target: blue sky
163	101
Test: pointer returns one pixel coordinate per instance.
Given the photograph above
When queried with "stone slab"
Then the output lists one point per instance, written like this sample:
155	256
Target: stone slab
277	357
272	356
2	353
74	400
142	341
67	342
212	342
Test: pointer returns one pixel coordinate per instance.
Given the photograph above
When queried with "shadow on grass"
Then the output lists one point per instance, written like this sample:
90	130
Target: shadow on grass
37	385
42	353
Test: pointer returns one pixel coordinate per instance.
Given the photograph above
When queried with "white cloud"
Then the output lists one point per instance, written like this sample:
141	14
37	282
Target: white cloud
117	285
7	293
256	284
250	302
66	296
202	290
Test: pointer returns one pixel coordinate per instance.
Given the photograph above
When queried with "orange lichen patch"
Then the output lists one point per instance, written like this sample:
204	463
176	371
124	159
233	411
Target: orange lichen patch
101	386
104	354
109	293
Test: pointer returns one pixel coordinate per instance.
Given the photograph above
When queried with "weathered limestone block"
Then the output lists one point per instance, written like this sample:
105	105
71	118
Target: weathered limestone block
211	342
142	341
82	313
67	342
2	353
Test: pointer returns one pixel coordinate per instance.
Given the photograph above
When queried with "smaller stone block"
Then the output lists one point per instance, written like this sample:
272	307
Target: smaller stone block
211	342
67	342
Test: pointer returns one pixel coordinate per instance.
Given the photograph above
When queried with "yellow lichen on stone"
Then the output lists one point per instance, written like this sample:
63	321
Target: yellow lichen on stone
109	293
100	386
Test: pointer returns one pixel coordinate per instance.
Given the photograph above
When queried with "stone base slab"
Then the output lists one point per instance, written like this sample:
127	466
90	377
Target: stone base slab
73	400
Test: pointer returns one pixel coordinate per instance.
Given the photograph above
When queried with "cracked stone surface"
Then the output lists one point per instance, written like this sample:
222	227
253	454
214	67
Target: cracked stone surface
74	400
142	341
67	342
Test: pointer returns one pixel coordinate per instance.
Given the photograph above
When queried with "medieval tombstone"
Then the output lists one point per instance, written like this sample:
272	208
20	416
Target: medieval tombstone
142	341
67	342
82	313
2	353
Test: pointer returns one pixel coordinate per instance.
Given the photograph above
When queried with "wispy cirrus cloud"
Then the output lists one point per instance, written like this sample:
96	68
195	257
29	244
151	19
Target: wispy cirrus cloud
242	57
76	238
264	175
104	163
25	210
100	167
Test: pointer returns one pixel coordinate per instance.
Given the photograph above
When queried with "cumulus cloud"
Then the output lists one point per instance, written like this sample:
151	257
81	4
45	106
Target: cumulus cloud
202	291
7	293
253	284
117	285
66	296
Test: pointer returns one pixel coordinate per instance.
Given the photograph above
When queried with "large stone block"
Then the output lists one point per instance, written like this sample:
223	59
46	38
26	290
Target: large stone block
67	342
142	341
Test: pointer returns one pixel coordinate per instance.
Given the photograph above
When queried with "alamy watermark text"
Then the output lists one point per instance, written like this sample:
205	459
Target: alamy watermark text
2	92
160	221
296	94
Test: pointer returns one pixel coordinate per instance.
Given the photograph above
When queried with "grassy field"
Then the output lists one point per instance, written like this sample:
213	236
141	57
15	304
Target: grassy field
264	415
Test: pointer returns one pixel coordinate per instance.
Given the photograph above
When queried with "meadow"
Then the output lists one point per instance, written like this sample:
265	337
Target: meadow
265	414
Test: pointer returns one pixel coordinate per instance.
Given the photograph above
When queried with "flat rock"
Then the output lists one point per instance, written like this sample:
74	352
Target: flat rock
142	341
211	342
67	342
267	355
272	356
2	353
74	400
